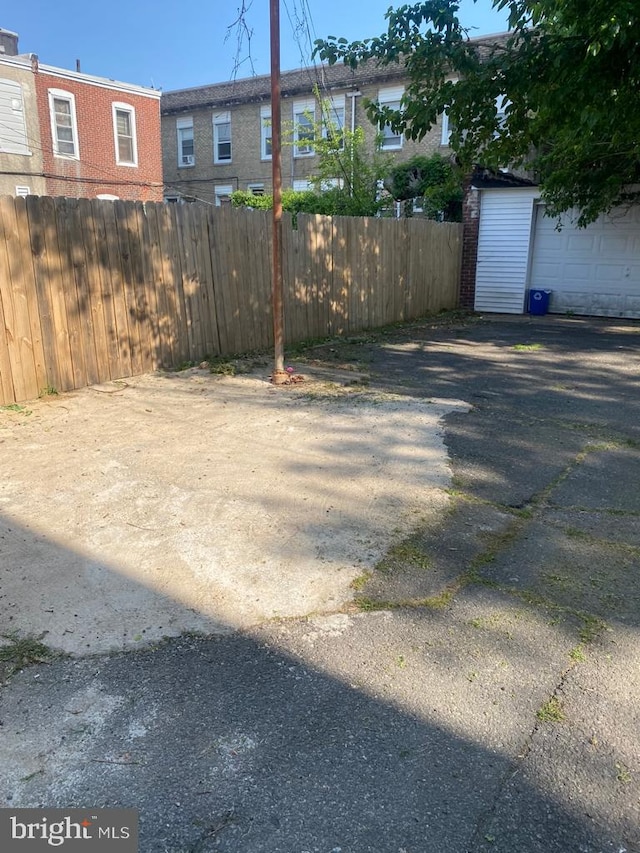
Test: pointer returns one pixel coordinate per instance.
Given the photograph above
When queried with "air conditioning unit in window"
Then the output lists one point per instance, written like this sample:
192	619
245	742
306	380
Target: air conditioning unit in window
188	159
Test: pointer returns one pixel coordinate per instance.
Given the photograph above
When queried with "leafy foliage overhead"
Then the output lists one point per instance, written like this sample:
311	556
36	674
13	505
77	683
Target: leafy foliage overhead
559	95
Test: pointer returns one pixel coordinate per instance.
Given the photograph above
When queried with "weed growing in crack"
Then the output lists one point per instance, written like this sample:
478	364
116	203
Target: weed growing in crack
591	627
551	712
359	582
21	652
405	554
623	775
577	654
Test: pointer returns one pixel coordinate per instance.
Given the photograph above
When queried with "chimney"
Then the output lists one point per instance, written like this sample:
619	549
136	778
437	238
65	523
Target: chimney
8	43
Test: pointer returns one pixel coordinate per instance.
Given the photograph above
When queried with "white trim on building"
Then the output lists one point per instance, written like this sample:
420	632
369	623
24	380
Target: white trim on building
391	97
265	132
124	134
186	143
222	138
64	124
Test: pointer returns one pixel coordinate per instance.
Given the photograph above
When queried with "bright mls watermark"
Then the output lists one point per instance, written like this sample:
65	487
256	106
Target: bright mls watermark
69	830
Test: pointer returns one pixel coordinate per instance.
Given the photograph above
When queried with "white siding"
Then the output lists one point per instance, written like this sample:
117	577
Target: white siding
13	130
503	249
593	270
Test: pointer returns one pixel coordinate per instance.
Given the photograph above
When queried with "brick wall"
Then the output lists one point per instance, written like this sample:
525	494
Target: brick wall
200	180
96	172
471	228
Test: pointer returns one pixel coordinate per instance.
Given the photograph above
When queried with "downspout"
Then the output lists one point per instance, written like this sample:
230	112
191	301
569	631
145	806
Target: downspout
353	95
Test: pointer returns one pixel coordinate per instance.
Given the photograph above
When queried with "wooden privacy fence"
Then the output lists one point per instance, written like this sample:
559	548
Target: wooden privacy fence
92	291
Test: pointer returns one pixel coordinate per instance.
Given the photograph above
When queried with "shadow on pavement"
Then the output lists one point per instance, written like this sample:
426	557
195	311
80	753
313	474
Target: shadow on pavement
343	733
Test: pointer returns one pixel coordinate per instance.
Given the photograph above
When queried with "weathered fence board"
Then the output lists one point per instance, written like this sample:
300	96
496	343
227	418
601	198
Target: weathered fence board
92	291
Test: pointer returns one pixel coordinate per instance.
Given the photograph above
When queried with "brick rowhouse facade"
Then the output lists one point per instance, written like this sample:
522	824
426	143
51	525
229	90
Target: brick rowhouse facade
241	103
92	169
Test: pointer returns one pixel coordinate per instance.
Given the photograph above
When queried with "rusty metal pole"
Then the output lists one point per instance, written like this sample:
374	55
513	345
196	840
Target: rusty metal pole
279	375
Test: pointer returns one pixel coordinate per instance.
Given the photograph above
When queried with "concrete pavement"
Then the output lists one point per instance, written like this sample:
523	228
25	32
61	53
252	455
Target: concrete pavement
480	693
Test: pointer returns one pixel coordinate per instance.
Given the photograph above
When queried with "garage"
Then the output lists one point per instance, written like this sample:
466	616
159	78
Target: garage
593	270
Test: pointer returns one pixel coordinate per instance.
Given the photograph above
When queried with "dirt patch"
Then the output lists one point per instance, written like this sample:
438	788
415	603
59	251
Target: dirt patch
191	502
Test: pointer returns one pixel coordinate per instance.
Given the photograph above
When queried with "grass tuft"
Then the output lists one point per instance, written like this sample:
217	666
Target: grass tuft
21	652
551	712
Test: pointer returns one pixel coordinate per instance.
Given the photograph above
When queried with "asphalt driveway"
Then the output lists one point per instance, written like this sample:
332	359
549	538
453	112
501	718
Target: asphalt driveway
480	688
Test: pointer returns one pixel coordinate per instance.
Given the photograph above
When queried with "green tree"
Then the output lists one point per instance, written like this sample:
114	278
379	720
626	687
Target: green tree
346	180
434	179
347	173
559	95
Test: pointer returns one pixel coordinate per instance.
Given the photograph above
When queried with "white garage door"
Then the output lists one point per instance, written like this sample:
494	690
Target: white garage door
593	270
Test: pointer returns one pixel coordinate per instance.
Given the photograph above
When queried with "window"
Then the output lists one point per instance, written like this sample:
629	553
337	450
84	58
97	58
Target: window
186	150
446	130
13	130
333	121
24	191
222	195
64	127
124	132
265	133
390	98
331	184
304	119
447	126
502	105
256	189
222	138
301	186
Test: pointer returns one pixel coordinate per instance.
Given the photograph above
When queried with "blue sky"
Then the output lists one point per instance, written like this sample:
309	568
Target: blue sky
173	45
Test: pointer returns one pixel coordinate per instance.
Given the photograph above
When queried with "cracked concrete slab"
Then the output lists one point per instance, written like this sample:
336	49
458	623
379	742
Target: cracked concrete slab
192	502
297	736
407	730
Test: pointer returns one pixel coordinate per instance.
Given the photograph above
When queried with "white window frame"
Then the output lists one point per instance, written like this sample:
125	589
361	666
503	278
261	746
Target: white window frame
15	124
117	107
256	189
306	110
331	111
62	95
445	138
265	132
221	191
301	185
391	97
220	119
22	191
184	124
502	102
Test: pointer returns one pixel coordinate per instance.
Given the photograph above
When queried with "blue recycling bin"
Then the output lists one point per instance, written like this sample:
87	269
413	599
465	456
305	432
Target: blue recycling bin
539	301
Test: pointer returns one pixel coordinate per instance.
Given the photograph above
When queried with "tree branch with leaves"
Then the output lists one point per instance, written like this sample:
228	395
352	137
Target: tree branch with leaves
559	95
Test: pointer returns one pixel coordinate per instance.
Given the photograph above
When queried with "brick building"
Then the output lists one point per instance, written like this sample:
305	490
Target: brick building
21	169
217	139
77	135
